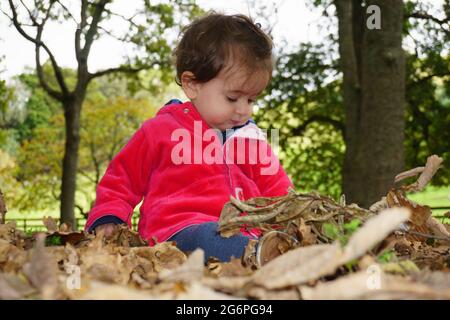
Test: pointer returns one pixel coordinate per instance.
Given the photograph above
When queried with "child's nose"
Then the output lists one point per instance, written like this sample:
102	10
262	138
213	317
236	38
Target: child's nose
244	109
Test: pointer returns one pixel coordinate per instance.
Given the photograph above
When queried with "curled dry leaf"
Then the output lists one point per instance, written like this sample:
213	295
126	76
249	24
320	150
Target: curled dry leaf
419	214
310	207
123	236
431	167
408	174
167	255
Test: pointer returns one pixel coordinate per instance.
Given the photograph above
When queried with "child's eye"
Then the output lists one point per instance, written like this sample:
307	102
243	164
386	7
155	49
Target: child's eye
251	101
231	99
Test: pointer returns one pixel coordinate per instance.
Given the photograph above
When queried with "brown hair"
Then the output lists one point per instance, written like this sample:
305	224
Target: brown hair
212	42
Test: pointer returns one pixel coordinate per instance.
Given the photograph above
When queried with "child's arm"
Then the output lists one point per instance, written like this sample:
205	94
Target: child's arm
124	183
269	174
264	169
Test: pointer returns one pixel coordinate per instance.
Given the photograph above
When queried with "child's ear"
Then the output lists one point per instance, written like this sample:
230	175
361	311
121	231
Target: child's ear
189	85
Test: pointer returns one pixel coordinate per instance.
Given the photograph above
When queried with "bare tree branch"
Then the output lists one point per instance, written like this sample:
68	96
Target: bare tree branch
40	72
123	69
425	16
6	14
37	41
318	118
79	31
130	20
428	77
109	33
67	11
33	19
87	175
96	17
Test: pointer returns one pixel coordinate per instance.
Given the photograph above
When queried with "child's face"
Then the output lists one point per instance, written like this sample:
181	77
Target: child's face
227	100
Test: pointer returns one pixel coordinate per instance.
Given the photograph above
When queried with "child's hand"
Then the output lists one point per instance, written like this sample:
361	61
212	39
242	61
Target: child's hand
107	228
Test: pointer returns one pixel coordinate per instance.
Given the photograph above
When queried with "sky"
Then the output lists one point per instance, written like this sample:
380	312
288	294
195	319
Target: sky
294	22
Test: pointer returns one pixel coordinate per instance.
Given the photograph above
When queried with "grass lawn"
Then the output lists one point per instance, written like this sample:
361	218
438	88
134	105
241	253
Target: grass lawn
431	196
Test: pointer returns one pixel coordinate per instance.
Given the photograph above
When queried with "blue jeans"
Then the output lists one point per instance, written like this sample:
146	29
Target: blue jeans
206	237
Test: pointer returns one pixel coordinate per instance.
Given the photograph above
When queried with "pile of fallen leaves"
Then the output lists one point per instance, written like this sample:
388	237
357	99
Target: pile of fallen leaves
395	249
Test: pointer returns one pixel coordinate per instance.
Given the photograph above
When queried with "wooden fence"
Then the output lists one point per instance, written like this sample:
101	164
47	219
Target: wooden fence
36	224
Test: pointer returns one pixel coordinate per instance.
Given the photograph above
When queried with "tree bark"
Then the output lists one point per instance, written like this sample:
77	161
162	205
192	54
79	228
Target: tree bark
373	66
68	184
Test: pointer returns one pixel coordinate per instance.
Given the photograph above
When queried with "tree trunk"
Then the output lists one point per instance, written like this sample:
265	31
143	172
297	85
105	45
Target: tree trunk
68	185
374	93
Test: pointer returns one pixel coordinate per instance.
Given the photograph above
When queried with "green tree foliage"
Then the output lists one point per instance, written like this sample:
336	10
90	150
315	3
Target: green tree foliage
39	107
106	126
147	31
304	100
427	33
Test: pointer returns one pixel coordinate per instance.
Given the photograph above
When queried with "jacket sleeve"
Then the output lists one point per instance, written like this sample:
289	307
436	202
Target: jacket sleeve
268	173
125	181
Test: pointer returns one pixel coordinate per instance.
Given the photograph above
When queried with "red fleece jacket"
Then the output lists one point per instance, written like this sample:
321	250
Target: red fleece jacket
178	194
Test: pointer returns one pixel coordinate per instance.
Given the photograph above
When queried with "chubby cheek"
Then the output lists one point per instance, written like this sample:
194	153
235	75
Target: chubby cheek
222	112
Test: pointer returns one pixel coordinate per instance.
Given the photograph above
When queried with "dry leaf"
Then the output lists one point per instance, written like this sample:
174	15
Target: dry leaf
373	231
298	266
304	264
227	284
103	291
104	266
228	269
123	236
307	236
42	270
50	224
14	287
191	270
431	167
372	285
198	291
437	279
437	228
167	255
408	174
419	214
263	294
